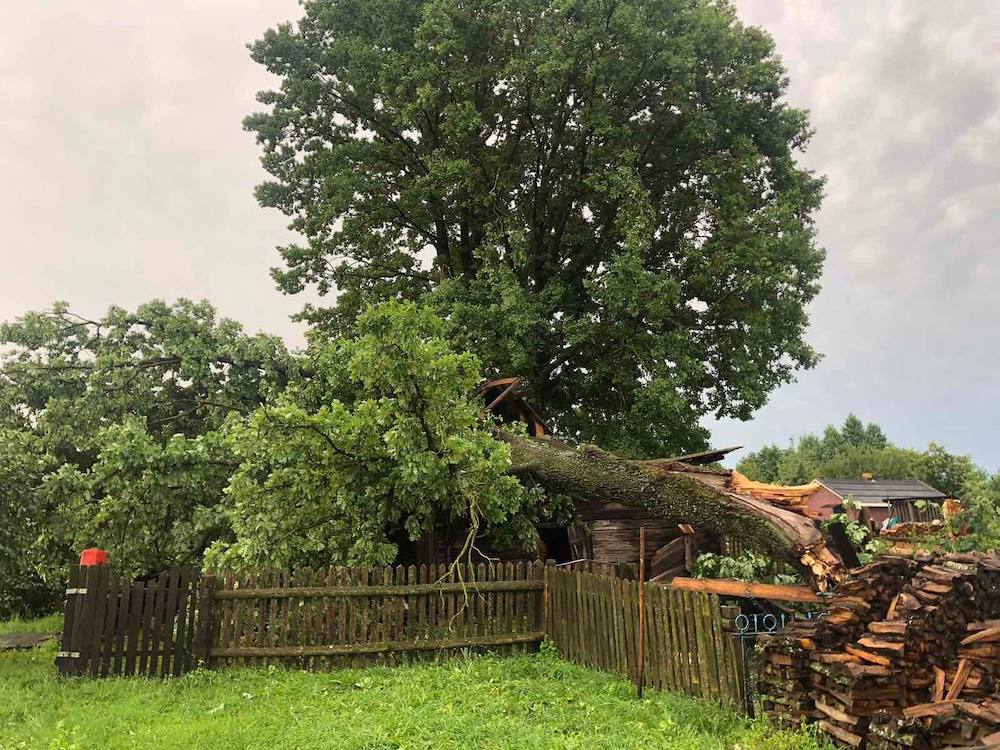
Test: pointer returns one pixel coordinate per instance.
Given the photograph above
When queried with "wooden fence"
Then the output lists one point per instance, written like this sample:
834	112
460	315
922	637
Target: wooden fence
355	616
318	619
594	620
116	627
312	619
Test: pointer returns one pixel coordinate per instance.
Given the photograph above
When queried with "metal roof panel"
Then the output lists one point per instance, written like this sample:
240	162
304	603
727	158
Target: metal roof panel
882	490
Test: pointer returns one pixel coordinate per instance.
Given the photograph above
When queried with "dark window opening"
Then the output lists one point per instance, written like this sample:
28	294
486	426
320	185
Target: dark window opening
557	546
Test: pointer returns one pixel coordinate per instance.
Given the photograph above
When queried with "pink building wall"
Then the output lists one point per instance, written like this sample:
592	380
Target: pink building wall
822	502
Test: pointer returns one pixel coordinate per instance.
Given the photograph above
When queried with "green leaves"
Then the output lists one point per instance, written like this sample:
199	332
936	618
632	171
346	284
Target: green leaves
380	442
745	566
164	433
852	450
108	435
601	198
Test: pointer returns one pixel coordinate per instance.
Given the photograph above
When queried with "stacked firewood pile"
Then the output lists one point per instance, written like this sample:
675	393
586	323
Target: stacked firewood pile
792	658
945	724
783	676
910	529
903	634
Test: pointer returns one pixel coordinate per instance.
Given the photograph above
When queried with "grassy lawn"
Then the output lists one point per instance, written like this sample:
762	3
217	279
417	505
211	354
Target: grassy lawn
50	624
480	703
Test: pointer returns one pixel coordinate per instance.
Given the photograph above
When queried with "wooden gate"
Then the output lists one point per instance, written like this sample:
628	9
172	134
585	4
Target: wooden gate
116	627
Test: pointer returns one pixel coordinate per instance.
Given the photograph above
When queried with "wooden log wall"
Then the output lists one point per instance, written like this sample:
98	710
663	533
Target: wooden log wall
617	540
593	620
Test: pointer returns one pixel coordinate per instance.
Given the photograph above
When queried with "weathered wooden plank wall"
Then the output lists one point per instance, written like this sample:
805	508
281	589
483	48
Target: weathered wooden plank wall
593	620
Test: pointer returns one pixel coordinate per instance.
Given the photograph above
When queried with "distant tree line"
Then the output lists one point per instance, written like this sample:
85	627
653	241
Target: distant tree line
854	449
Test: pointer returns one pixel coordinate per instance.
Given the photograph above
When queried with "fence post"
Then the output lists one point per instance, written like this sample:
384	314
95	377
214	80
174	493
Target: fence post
642	611
547	597
69	652
206	618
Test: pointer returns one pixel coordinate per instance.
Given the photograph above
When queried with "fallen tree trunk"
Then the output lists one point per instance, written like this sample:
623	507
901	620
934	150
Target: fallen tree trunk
678	493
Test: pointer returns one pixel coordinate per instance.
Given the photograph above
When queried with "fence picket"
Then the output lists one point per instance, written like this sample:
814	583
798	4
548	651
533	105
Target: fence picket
208	626
680	639
692	635
166	622
260	608
724	674
596	644
666	628
706	650
109	623
652	670
120	626
479	601
97	622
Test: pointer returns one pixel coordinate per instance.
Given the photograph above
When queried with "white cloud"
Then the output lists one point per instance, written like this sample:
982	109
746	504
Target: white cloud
905	97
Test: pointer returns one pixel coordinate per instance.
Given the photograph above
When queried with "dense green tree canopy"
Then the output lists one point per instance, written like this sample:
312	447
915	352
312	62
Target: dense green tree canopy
379	442
601	196
852	450
23	589
108	432
165	431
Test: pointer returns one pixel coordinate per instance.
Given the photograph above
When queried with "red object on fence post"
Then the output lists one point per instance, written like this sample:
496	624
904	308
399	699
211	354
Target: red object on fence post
642	611
93	556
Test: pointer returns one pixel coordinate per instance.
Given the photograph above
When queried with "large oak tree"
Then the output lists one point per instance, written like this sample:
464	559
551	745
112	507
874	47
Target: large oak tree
599	195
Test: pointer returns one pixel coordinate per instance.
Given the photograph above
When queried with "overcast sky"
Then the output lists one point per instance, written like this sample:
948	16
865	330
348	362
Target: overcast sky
126	176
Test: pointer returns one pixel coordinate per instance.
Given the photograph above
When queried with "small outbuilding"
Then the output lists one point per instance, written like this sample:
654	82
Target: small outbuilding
879	499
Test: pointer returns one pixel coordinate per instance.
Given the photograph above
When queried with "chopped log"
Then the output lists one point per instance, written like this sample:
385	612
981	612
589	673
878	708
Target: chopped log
964	667
836	713
879	645
868	656
990	634
848	737
939	708
939	679
888	627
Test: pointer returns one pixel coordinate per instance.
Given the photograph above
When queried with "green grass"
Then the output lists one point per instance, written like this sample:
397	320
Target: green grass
49	624
479	703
